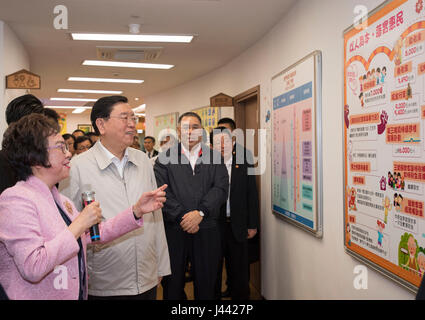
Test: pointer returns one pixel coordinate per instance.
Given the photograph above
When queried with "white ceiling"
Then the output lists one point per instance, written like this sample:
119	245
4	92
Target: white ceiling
223	29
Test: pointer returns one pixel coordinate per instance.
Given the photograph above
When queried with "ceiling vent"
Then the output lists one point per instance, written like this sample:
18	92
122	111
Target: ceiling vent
131	54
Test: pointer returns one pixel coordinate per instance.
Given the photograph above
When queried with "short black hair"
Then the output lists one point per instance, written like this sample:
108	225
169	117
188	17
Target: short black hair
25	143
23	106
228	121
66	136
102	108
51	114
91	134
149	137
219	130
78	130
79	140
190	114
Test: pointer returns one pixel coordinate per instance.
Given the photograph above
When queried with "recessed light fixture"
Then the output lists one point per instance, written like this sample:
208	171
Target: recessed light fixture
72	99
105	80
89	91
102	63
132	37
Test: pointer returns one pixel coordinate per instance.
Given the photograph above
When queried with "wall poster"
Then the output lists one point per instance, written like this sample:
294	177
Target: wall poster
209	116
384	149
296	150
167	122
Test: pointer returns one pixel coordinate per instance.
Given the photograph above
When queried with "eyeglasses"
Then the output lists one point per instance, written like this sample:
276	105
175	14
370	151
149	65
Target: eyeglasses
63	146
127	118
81	148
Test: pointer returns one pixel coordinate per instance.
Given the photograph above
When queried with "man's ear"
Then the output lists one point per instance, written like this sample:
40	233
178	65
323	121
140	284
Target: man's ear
100	123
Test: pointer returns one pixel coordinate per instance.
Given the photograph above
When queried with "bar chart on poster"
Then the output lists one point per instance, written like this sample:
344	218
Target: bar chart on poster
296	144
383	128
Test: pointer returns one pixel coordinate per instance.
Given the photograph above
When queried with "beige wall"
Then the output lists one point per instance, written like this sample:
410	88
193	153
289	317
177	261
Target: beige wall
295	265
13	57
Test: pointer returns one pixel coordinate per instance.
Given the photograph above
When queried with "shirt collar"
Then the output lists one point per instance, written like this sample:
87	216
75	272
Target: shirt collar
195	150
109	154
104	157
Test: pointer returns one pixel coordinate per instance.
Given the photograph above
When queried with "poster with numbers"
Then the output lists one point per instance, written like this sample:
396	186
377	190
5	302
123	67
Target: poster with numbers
384	149
296	148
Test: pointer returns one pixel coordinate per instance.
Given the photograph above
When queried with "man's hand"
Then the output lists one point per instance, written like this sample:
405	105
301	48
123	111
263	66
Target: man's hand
251	233
190	221
150	201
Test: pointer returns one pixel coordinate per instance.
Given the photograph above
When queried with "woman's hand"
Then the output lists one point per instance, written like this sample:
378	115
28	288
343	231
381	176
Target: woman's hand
91	215
150	201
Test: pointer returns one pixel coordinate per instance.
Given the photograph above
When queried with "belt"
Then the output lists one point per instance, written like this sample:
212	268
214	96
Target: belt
228	219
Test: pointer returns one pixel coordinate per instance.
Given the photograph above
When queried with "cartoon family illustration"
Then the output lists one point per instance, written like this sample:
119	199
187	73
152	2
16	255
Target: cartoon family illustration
377	75
396	180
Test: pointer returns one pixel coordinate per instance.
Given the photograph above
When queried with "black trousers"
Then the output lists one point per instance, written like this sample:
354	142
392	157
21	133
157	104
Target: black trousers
147	295
203	251
237	264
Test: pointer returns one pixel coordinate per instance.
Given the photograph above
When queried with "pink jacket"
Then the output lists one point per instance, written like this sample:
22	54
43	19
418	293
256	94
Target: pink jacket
34	240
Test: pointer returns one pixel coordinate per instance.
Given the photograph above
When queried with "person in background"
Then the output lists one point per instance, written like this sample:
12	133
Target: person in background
132	266
93	137
52	114
42	235
253	240
149	143
15	110
82	144
238	217
135	144
78	133
69	140
166	142
198	185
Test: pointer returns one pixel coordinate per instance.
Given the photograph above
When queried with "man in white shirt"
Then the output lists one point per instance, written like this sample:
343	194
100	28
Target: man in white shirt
131	266
197	187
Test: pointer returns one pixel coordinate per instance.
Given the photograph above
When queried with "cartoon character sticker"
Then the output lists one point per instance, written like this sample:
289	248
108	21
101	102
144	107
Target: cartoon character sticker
387	207
351	197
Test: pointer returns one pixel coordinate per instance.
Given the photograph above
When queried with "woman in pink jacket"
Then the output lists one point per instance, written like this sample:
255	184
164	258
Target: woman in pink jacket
43	237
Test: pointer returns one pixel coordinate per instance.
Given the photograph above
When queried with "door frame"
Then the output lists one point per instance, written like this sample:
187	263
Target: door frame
239	118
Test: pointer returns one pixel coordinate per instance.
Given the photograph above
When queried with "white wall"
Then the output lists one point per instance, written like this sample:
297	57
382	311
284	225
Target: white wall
73	120
13	57
295	265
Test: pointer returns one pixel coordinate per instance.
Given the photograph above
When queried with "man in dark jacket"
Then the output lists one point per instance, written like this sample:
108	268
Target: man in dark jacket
198	185
16	109
238	216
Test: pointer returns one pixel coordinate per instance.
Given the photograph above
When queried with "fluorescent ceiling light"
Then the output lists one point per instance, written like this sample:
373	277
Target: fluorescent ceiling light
132	37
72	99
89	91
67	107
104	80
79	110
101	63
142	107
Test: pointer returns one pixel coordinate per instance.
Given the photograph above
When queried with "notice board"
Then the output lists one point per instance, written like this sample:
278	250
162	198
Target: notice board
296	148
384	149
